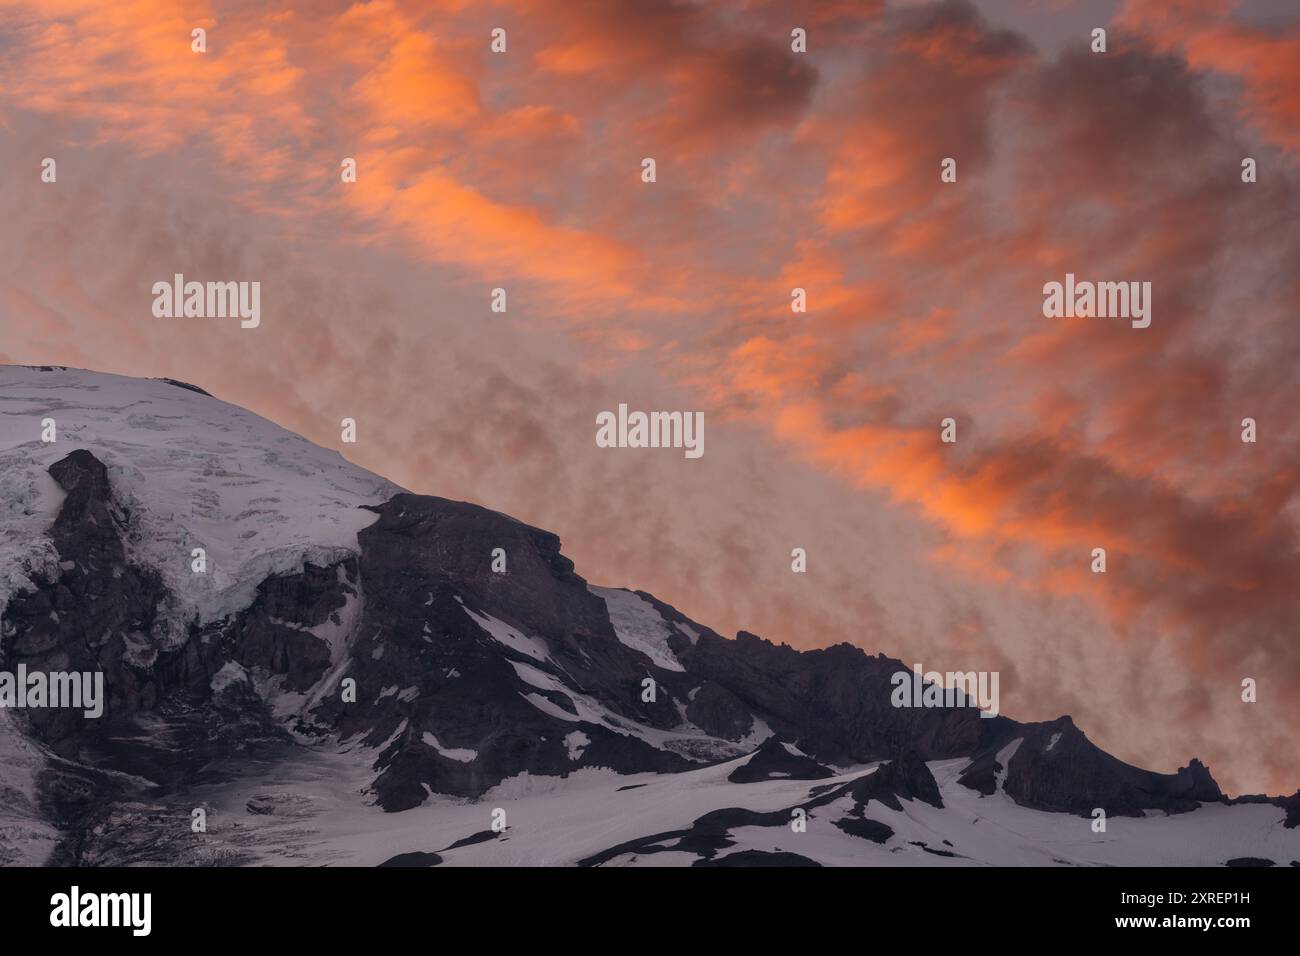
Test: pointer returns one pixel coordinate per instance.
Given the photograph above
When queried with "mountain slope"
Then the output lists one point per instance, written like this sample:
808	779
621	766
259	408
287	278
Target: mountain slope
349	651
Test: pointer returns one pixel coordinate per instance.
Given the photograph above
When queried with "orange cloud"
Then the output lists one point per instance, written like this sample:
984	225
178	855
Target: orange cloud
780	170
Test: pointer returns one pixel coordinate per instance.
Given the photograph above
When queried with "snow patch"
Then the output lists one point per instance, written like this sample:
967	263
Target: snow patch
758	733
230	673
638	625
532	676
503	633
1004	758
568	818
462	754
576	742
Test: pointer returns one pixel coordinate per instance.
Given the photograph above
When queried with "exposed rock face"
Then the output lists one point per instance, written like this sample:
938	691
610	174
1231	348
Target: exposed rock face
1056	767
906	777
274	632
97	614
775	760
1291	805
833	702
463	676
718	711
431	681
872	830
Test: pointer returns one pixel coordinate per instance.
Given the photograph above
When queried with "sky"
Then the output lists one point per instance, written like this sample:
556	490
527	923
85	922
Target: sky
820	170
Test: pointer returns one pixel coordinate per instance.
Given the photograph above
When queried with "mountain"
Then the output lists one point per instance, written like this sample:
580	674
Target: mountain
340	675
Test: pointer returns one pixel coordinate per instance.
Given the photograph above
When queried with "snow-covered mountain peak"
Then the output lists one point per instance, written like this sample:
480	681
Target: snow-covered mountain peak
190	470
353	678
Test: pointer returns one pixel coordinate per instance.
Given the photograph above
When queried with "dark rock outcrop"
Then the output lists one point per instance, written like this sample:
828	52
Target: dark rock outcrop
774	760
835	701
1056	767
719	712
161	723
904	778
867	829
457	711
273	632
97	615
